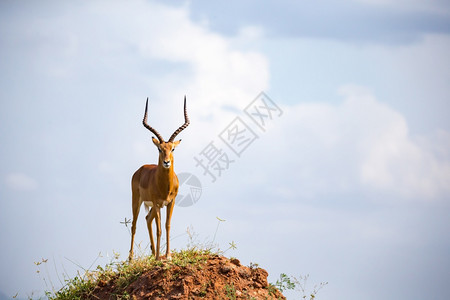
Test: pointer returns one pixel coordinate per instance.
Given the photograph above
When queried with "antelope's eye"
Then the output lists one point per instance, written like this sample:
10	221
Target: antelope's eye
159	150
173	149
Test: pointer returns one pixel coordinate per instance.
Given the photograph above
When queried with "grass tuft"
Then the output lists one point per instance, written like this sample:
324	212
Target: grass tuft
120	274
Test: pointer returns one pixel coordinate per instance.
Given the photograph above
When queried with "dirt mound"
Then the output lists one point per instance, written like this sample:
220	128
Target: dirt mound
214	277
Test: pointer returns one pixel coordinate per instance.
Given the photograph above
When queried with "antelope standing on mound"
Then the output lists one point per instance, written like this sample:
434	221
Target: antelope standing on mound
156	186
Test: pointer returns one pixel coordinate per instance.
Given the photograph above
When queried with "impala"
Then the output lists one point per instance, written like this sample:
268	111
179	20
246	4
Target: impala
156	186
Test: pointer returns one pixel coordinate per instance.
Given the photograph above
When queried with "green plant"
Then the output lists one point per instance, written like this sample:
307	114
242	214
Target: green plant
212	246
272	289
284	283
231	291
299	284
190	257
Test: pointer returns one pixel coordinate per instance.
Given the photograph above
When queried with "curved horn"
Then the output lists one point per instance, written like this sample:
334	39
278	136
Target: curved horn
144	122
186	123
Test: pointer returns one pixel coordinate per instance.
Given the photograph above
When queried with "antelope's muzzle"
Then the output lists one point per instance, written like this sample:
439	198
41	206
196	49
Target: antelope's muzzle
166	164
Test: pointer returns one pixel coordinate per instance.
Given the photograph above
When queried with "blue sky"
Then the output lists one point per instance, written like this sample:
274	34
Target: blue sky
350	184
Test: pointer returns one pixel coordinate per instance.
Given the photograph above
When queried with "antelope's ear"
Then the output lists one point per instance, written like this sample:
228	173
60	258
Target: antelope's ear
176	143
155	141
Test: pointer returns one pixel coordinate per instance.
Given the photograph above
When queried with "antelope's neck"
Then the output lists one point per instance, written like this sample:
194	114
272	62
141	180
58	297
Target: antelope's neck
165	178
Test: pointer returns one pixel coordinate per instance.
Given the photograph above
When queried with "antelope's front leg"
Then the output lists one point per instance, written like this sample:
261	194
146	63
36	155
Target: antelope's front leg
168	218
158	231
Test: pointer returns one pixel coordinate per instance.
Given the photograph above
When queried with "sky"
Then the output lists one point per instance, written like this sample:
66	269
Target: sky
328	124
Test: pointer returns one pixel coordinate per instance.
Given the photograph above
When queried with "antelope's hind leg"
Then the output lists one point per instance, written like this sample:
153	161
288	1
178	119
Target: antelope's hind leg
136	206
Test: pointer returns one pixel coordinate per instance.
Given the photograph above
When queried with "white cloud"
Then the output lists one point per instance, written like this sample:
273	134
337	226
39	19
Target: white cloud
21	182
139	38
217	72
360	144
115	54
391	159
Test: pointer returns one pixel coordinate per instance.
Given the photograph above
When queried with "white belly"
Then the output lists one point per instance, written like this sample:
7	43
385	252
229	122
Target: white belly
150	203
